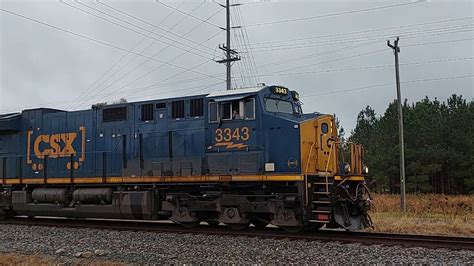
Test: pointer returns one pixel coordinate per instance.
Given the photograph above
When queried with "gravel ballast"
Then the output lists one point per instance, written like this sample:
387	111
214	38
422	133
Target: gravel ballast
69	245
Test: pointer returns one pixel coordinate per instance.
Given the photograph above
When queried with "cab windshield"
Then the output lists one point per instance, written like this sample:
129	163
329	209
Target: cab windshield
278	106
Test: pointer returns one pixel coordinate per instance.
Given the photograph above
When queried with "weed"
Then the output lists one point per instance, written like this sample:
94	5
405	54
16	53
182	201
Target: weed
427	214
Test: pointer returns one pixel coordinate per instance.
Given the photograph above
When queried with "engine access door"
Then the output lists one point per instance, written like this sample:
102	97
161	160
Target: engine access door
326	147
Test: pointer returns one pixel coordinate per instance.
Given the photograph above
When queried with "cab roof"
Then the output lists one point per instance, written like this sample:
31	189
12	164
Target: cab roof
235	92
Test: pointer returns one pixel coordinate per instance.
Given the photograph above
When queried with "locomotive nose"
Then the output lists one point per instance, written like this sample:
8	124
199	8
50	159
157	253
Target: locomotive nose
337	193
318	145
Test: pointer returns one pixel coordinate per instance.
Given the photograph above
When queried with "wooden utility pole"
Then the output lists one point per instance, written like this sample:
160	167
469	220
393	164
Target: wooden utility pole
396	51
231	55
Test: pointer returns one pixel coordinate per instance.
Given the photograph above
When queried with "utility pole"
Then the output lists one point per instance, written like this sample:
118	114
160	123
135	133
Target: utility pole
396	50
231	55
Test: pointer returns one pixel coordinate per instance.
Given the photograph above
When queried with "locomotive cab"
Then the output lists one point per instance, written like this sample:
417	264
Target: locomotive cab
264	131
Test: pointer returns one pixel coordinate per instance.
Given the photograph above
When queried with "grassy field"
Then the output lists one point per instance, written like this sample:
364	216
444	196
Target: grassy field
426	214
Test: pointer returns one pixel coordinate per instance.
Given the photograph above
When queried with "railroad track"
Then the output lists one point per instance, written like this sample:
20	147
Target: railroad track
369	238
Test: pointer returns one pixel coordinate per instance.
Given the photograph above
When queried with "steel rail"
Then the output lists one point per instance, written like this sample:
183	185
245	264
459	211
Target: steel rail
368	238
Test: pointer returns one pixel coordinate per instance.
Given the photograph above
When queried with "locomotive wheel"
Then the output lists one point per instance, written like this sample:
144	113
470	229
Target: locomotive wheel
5	213
292	229
213	223
189	225
238	226
259	223
315	226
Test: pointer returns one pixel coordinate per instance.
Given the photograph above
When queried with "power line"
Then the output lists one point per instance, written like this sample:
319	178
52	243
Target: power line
364	31
359	38
151	24
409	63
164	85
178	90
362	54
173	59
194	87
406	35
88	90
332	14
345	49
310	95
157	67
311	56
139	32
386	84
238	40
89	38
101	42
170	77
370	67
189	15
196	91
149	46
329	61
271	64
161	84
248	47
353	47
439	42
254	3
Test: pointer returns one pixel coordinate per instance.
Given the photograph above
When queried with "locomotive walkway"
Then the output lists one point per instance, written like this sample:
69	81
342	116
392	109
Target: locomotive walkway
368	238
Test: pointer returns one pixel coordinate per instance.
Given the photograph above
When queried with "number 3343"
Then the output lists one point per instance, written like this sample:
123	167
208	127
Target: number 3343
228	134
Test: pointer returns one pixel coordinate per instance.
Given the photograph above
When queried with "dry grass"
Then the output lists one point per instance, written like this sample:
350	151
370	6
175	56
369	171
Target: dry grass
36	259
426	214
19	259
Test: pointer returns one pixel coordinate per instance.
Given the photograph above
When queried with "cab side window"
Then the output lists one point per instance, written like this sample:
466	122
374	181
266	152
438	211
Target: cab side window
225	110
249	108
213	112
232	110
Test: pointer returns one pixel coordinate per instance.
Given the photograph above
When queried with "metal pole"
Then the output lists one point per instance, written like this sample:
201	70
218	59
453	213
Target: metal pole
228	55
396	50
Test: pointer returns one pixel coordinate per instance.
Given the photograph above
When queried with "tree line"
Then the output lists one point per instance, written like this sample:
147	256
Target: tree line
439	146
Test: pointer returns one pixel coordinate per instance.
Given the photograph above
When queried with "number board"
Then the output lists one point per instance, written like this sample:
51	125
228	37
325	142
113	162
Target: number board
232	138
228	134
280	90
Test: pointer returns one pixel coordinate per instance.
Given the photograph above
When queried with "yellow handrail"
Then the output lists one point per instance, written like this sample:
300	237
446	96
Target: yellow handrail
327	166
306	175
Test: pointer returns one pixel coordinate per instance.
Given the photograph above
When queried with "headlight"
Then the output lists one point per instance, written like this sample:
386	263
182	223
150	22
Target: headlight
365	170
347	168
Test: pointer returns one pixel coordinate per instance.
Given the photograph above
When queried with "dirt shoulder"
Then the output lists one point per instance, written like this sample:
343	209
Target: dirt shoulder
15	258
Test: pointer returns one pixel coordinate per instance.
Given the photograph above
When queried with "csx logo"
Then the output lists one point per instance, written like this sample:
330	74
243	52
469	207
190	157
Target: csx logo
56	146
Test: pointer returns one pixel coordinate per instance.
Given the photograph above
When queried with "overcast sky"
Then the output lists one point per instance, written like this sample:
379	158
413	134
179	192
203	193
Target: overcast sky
333	52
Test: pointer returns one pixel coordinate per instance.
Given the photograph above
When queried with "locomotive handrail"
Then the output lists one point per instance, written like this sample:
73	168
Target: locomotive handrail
4	180
327	163
45	169
71	169
306	174
309	157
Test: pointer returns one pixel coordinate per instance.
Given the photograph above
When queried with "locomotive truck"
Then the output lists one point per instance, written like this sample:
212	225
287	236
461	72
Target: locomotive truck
237	157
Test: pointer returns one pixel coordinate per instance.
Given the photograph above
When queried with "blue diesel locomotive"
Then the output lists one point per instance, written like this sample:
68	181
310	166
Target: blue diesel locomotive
238	157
